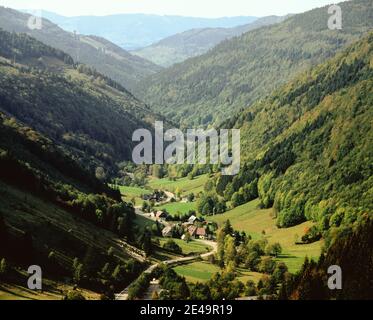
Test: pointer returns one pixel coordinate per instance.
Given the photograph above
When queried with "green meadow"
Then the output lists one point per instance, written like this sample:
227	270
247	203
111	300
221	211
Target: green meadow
202	271
185	185
130	193
192	247
178	207
259	223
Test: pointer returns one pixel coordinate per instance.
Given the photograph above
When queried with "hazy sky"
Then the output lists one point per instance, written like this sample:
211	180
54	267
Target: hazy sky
197	8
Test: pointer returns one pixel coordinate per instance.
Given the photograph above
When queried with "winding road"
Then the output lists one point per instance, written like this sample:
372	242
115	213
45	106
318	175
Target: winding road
124	294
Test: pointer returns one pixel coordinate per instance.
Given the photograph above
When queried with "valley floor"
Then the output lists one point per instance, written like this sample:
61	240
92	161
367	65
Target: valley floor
255	222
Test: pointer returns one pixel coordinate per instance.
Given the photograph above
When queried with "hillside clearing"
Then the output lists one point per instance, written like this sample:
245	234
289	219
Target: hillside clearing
185	185
176	208
192	247
130	193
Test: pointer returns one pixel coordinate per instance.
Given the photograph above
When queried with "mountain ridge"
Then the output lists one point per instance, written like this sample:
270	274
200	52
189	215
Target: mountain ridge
180	47
98	53
242	70
87	113
126	31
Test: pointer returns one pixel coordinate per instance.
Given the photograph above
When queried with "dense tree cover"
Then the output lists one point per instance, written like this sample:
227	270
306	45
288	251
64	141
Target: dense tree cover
19	142
22	47
307	149
244	69
32	163
108	58
46	171
139	287
174	286
84	112
210	204
103	271
353	252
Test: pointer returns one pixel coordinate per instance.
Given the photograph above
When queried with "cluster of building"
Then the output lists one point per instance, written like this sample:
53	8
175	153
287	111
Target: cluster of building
196	228
157	196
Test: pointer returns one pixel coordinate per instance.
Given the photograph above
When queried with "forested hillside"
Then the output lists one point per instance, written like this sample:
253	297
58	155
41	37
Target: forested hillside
307	149
192	43
353	252
238	72
89	115
55	214
63	128
95	52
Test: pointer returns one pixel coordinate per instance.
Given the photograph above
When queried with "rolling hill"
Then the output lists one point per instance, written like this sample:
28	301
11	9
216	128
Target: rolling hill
209	88
96	52
195	42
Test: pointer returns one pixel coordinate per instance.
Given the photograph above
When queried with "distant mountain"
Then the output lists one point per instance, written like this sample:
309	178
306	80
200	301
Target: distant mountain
237	72
195	42
135	31
96	52
88	115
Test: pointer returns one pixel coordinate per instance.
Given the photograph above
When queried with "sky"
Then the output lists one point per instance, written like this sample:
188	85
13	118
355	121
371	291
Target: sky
194	8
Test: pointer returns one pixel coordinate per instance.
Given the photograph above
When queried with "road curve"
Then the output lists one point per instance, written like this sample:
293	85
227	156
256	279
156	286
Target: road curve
124	294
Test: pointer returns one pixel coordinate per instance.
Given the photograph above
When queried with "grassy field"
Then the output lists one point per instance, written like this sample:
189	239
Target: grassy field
185	185
16	292
203	271
130	193
188	248
179	207
52	290
197	271
253	221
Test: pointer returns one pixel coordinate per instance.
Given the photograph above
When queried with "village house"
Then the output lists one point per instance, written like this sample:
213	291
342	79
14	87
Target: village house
161	215
192	219
201	233
167	232
192	231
